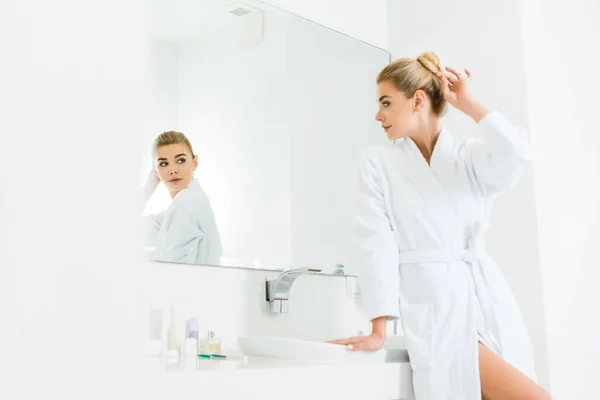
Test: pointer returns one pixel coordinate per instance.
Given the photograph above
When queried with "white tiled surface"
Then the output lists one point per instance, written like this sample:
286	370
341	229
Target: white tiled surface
275	379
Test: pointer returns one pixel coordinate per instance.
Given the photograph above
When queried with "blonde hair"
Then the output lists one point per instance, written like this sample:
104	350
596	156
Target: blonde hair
410	75
172	137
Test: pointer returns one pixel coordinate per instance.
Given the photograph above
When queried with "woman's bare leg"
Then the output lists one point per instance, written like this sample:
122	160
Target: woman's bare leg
501	381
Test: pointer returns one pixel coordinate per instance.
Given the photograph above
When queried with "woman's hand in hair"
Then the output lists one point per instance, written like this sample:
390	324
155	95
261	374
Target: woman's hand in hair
455	86
151	184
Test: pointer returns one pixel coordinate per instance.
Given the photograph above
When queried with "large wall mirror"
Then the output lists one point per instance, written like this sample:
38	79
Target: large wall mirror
277	110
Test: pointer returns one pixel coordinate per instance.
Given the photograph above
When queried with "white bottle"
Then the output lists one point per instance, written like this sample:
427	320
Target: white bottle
174	340
154	326
164	334
190	347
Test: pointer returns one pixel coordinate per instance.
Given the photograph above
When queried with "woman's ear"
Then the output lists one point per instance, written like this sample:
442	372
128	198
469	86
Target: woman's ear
419	99
195	162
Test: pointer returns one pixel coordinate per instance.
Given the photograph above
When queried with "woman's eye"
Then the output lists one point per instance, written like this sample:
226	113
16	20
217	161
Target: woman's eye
181	160
386	103
163	164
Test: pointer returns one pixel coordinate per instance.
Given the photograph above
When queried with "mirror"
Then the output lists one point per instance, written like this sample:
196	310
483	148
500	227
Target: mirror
277	110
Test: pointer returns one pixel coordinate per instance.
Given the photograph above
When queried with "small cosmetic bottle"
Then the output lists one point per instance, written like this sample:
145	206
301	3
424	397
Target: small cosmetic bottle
190	347
210	344
191	328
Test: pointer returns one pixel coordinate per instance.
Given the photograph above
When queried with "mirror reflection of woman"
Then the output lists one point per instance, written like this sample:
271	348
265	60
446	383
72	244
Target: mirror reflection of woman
186	231
425	200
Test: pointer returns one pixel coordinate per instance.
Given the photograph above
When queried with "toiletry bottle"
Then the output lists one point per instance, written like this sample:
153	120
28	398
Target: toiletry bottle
191	328
173	338
190	341
164	331
190	347
154	344
214	343
210	344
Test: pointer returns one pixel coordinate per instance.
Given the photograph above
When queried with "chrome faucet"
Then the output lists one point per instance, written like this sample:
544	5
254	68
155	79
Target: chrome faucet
278	289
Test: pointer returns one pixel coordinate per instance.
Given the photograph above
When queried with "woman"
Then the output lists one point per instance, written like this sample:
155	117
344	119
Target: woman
424	206
186	231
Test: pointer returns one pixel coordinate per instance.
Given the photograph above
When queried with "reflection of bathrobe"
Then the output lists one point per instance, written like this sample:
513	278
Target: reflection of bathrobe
421	228
186	231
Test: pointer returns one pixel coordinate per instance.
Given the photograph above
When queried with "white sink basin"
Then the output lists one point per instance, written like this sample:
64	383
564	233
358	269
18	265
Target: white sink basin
304	350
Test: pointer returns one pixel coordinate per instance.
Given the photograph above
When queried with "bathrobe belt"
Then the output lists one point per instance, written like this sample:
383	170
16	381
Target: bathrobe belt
468	256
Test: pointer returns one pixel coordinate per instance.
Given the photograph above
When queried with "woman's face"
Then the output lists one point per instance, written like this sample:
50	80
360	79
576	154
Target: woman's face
397	114
175	166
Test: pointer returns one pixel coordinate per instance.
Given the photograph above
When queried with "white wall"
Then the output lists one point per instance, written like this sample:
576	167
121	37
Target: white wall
363	20
562	54
74	78
475	34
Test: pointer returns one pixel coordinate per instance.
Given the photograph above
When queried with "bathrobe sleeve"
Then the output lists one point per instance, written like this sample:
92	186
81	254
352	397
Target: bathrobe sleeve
498	158
379	275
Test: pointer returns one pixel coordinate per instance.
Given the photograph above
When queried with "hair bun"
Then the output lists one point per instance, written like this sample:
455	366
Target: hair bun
430	61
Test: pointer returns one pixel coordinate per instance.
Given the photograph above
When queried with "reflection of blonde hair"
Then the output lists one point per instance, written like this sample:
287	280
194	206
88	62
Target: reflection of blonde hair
410	75
172	137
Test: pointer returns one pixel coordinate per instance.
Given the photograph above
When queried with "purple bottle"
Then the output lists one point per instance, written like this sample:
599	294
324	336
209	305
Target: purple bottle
191	328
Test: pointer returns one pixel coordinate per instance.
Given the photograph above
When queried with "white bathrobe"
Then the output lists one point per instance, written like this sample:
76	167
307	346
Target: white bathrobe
186	231
423	259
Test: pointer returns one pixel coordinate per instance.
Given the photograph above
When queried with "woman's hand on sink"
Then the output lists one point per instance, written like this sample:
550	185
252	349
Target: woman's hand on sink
373	342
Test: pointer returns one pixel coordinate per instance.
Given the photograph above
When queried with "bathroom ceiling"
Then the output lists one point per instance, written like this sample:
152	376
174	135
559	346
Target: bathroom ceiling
178	20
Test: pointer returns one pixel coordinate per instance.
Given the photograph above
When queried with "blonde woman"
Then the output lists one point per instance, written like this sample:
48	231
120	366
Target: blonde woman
186	231
424	206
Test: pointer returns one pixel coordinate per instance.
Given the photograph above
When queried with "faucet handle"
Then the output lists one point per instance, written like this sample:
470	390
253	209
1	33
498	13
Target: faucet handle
338	269
279	306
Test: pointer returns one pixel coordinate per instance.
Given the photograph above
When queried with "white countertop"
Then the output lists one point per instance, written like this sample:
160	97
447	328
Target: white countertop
267	378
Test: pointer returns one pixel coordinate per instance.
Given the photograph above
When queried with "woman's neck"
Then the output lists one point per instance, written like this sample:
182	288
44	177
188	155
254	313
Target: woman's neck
175	192
427	136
